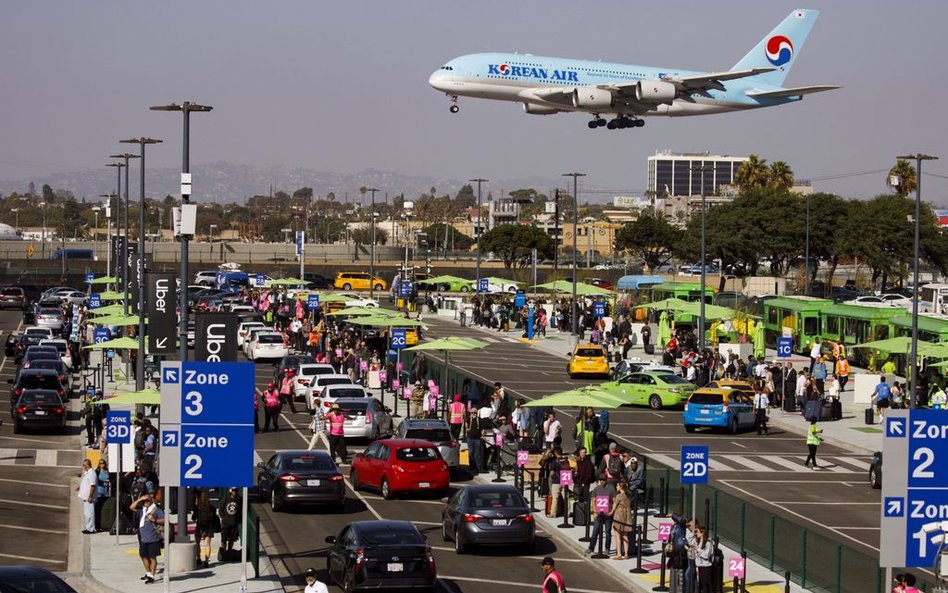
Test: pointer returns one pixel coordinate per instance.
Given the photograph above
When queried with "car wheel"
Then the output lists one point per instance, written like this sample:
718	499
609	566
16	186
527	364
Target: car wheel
386	489
444	532
354	478
348	582
347	286
689	428
734	426
378	287
459	546
275	505
465	289
655	402
874	481
16	428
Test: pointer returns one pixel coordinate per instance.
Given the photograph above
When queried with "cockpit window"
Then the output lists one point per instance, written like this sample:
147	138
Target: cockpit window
447	68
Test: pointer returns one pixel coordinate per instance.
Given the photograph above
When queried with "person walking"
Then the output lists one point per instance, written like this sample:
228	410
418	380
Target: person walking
313	585
204	516
337	439
456	416
622	521
813	440
87	488
103	490
882	394
149	517
761	404
271	408
318	424
553	581
230	517
287	392
475	445
552	430
842	371
555	464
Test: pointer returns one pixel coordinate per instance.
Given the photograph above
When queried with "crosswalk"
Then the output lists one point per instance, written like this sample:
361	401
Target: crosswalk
40	457
836	464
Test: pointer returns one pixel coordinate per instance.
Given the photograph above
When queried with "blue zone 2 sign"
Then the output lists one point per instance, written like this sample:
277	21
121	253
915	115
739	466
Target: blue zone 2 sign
695	462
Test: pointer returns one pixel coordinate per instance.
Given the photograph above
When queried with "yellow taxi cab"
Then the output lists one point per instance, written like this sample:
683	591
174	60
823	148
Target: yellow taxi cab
358	281
742	386
588	359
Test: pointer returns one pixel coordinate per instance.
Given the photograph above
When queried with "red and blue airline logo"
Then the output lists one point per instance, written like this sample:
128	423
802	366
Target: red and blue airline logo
532	72
779	50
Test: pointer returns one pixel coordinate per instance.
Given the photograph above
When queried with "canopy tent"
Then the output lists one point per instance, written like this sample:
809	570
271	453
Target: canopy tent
115	344
103	280
333	298
444	279
710	311
388	321
113	309
671	304
582	288
588	396
903	345
285	282
145	397
355	311
446	345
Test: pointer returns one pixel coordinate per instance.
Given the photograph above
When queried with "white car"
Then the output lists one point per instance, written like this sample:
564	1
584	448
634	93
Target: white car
69	295
242	309
243	330
206	278
884	300
251	333
357	300
492	288
62	346
35	330
305	374
347	390
267	345
319	383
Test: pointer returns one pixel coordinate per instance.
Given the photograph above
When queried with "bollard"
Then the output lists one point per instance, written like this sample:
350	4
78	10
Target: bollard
786	586
707	513
681	500
395	413
533	491
599	555
518	479
644	539
744	578
661	575
638	553
587	538
565	524
497	466
736	585
662	498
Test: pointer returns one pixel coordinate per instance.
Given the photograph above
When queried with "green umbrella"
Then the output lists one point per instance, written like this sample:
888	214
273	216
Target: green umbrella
333	298
145	397
113	309
387	321
355	311
111	295
582	288
444	279
286	282
589	396
103	280
710	311
116	320
664	330
671	304
446	345
760	348
115	344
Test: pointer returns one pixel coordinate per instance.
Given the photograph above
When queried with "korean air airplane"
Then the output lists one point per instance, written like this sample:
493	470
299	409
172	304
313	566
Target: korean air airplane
627	93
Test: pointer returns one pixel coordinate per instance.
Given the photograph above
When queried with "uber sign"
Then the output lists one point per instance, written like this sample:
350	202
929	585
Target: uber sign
215	337
162	316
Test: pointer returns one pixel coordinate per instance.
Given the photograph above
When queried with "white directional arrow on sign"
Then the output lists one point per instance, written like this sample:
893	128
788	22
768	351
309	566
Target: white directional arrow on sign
895	427
893	507
171	376
161	343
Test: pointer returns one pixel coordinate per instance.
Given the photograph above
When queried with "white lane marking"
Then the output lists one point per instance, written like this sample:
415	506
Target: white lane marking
857	465
856	528
738	444
823	503
512	583
717	466
666	460
33	559
835	467
786	463
746	462
46	457
30	440
46	484
57	531
58	507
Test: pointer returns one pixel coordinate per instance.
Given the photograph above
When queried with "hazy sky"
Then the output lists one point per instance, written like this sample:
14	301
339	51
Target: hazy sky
342	86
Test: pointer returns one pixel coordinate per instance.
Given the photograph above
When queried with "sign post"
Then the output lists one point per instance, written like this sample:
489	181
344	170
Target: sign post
483	285
95	300
784	347
312	302
695	461
599	309
118	430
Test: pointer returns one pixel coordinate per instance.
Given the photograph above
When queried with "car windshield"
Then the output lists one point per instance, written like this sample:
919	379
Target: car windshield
417	454
434	435
706	399
672	379
344	392
310	371
270	339
40	397
37	381
12	292
308	463
37	331
589	352
497	500
390	536
335	381
59	346
53	365
50	311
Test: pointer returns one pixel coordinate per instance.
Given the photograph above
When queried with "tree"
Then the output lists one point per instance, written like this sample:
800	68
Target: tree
466	198
904	172
650	237
781	176
752	174
449	235
513	243
363	236
48	195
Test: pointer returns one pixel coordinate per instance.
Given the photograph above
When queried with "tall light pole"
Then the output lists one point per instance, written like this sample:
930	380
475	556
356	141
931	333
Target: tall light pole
118	218
477	231
108	235
704	254
575	311
918	158
43	206
372	252
140	359
127	156
95	233
16	211
806	255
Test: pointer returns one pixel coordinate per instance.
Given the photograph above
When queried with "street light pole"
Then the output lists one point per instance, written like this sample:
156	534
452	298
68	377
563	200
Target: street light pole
704	255
108	242
118	217
806	255
575	307
127	156
140	359
477	231
918	158
95	232
372	252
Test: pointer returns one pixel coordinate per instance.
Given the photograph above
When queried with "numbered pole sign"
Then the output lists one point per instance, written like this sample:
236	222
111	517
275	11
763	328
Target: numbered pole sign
399	367
312	302
498	439
599	309
735	567
363	365
566	478
483	285
90	276
404	289
664	531
396	384
260	280
95	300
406	392
383	376
695	460
520	299
601	505
118	428
434	390
101	334
784	347
398	340
523	456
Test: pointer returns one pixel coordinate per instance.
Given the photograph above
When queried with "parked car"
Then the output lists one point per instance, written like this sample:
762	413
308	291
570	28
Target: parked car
206	277
434	431
882	300
23	577
301	477
44	333
50	317
39	353
357	300
243	329
656	390
488	514
317	281
38	409
636	365
875	471
68	295
588	359
371	555
267	345
305	373
23	342
366	417
65	376
12	297
320	382
731	409
358	281
400	465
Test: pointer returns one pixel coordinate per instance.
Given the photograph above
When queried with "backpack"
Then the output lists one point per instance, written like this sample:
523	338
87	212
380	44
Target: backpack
140	439
615	466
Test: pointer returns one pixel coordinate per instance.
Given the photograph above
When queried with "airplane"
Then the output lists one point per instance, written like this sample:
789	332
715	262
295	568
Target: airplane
627	93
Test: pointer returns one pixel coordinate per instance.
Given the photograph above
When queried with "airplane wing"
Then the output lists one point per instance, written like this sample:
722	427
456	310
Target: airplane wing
791	92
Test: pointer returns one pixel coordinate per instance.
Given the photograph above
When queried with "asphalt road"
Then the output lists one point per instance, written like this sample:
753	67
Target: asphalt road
767	470
35	474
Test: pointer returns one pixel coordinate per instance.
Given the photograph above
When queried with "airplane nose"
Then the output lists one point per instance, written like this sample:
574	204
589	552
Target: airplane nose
436	80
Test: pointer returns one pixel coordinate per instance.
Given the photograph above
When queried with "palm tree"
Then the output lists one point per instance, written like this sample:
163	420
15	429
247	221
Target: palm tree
752	174
905	173
781	175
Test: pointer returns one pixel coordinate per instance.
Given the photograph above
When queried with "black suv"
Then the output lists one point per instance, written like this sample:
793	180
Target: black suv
12	297
875	470
35	379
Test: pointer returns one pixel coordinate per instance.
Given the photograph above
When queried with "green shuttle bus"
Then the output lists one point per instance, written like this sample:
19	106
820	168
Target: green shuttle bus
795	316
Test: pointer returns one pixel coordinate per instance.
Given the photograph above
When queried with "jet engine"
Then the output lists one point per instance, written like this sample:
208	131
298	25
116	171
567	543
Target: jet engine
591	98
534	109
655	91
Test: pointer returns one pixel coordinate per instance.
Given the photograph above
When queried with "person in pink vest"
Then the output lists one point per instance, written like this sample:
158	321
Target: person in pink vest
553	581
335	419
271	408
456	416
287	392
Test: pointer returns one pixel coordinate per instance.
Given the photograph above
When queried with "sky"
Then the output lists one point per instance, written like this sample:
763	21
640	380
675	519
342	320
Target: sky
341	86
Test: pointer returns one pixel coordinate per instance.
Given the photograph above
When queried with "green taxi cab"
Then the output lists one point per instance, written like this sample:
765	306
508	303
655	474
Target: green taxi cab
656	390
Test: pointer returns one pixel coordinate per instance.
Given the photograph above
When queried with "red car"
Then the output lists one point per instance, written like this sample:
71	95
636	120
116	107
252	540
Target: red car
400	465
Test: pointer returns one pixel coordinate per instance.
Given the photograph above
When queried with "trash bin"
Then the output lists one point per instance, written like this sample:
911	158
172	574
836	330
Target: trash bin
826	410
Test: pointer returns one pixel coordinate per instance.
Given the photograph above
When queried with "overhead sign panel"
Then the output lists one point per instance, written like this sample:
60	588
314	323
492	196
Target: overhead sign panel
162	313
215	337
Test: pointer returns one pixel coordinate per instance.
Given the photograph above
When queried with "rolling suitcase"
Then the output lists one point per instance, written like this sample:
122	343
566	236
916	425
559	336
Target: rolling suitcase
870	416
649	349
580	513
837	410
228	555
811	410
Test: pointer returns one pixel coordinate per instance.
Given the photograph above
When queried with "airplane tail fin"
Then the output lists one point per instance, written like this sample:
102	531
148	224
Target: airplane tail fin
779	48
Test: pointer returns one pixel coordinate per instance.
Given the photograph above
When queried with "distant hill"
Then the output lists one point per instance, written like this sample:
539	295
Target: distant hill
225	182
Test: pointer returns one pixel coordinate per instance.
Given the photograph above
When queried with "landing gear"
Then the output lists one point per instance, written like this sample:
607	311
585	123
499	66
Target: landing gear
618	123
454	104
598	122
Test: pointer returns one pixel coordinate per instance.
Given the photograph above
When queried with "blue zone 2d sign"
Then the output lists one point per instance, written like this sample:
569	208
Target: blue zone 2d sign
695	462
207	423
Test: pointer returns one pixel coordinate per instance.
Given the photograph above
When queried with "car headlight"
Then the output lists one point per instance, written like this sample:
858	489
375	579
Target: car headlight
674	390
